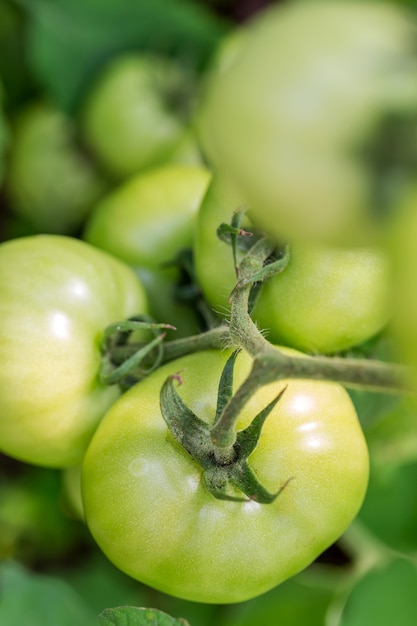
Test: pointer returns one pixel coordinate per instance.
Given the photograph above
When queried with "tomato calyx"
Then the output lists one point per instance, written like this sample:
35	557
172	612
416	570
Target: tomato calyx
126	368
222	468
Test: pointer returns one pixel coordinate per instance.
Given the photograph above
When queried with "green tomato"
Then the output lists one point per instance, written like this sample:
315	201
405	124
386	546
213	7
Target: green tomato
149	218
145	222
50	182
130	119
327	299
404	289
315	117
58	294
149	511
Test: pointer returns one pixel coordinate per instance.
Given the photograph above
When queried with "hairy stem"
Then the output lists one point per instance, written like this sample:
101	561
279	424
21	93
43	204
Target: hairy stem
271	364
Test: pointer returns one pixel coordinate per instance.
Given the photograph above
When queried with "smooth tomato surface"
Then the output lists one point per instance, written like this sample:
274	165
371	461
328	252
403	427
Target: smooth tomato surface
146	222
327	299
57	296
314	115
128	119
149	218
148	510
50	182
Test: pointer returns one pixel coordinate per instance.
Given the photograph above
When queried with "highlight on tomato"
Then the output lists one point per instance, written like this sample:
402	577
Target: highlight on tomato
148	507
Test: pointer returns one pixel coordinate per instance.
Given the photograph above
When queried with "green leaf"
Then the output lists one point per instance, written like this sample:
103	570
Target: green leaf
69	40
392	438
103	585
390	508
34	527
3	137
385	596
15	76
225	390
132	616
27	599
299	601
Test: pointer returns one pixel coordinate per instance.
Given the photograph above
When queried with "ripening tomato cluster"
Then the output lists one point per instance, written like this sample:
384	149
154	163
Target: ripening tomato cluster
314	136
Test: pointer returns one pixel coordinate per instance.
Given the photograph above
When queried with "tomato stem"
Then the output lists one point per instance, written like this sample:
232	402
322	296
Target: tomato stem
225	467
215	338
270	364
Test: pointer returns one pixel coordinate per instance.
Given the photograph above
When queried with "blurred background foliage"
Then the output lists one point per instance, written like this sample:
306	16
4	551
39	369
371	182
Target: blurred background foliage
51	573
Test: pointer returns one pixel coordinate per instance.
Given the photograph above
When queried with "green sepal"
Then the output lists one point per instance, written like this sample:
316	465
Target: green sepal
232	233
188	429
216	483
194	435
116	335
246	480
246	440
225	390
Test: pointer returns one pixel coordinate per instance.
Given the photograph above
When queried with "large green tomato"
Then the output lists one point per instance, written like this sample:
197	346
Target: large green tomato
314	117
57	296
132	117
145	222
50	182
327	299
149	511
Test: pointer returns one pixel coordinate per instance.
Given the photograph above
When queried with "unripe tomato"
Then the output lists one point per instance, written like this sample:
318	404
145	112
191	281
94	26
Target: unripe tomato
327	298
150	513
146	222
315	117
58	294
147	219
132	116
50	183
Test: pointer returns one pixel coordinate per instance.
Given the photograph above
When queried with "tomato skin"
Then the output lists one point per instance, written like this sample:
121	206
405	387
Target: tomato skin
50	183
57	296
326	300
146	222
128	121
293	117
148	510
